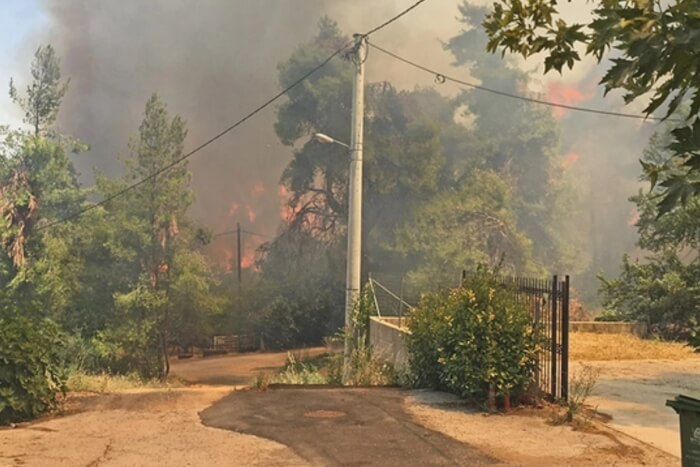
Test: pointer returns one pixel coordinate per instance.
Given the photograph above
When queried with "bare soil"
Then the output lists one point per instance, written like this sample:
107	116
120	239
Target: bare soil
163	427
144	428
530	438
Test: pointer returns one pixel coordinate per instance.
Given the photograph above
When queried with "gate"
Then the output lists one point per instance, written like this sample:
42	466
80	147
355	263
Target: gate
548	304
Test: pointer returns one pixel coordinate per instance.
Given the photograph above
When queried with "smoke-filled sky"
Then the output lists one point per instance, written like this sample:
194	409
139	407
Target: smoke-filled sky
214	60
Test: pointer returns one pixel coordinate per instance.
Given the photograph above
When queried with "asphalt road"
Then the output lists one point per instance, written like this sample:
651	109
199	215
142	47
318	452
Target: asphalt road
348	427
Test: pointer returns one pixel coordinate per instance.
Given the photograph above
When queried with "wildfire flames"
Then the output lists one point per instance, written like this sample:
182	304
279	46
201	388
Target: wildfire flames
566	94
570	159
634	217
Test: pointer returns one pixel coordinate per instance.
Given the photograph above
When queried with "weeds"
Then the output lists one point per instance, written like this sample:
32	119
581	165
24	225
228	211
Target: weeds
581	386
296	371
80	381
262	381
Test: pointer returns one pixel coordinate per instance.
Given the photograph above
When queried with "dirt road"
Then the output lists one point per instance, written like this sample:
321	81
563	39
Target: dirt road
146	428
301	427
235	370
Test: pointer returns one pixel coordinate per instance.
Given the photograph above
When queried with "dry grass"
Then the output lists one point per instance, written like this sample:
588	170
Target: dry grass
588	346
105	383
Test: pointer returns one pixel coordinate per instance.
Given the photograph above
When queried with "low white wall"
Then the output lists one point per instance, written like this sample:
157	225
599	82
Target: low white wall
609	327
388	341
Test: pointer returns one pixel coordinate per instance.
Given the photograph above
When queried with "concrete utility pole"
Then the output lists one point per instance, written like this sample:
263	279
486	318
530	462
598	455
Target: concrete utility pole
354	260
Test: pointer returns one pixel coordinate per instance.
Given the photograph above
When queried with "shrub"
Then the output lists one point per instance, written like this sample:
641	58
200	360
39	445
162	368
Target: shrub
31	374
582	384
469	339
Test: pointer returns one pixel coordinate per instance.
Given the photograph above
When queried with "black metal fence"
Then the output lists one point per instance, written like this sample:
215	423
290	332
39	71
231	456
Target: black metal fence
548	304
547	301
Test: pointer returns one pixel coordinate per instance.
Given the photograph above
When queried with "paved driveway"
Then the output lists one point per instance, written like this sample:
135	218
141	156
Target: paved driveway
635	392
341	427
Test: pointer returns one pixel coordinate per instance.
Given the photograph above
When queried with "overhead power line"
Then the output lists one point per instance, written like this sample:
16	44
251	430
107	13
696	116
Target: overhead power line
247	117
233	232
442	77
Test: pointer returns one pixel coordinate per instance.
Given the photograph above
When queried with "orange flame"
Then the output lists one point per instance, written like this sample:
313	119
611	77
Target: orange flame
566	94
226	261
251	214
634	217
286	211
258	188
233	209
248	258
570	159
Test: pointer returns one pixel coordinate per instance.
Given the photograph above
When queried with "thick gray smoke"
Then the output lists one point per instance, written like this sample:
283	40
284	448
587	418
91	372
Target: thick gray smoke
212	61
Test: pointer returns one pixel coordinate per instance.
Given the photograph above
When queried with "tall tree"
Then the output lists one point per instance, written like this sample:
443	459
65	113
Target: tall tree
45	93
521	141
661	289
145	237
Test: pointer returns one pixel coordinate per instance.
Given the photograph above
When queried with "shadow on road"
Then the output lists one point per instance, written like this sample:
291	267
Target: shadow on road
341	427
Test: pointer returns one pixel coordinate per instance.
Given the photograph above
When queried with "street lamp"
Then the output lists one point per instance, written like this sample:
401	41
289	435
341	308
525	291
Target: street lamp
352	276
325	139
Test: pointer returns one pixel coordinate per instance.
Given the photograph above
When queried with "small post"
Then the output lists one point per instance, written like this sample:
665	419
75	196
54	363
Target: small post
555	312
565	341
400	301
240	260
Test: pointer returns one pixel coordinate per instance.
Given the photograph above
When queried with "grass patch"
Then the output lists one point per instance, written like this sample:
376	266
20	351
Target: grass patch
589	346
365	370
79	381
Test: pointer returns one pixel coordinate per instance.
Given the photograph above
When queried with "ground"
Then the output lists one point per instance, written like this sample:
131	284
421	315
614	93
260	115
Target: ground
637	377
634	394
215	422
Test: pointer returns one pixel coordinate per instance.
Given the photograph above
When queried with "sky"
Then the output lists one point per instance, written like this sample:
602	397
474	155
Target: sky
20	25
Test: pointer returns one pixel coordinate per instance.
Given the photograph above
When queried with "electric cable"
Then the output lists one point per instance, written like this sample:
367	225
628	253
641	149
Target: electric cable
247	117
441	78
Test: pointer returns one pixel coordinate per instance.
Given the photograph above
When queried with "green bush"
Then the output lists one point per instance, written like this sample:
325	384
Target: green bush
467	339
31	370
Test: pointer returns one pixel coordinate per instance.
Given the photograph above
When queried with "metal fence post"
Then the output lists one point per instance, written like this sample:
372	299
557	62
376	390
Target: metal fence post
565	341
555	302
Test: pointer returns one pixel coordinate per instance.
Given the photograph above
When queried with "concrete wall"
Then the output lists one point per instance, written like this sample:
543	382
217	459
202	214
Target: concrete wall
388	340
609	327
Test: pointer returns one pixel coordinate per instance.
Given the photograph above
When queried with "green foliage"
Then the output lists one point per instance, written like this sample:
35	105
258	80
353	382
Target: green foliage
462	228
133	342
31	370
520	142
299	298
299	372
656	51
467	339
662	289
45	93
